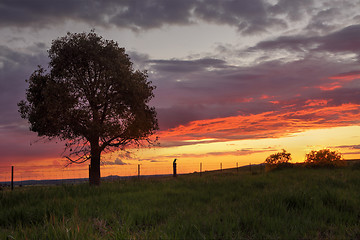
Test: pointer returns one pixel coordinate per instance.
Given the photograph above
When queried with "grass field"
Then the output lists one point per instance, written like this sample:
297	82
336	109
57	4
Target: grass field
296	203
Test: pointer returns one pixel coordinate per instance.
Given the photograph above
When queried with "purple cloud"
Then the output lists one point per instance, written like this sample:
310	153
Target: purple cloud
248	16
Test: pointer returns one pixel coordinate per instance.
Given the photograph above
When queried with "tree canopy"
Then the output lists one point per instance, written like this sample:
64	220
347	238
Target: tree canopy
279	158
323	158
92	97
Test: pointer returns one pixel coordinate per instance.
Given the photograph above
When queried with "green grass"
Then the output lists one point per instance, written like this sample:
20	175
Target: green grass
293	203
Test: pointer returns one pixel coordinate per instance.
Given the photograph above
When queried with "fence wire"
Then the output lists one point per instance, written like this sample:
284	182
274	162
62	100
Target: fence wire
35	175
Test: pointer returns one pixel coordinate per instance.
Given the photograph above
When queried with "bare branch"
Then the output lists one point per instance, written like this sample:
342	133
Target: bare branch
77	161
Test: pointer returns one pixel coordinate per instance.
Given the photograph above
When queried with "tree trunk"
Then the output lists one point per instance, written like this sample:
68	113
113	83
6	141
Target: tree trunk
94	170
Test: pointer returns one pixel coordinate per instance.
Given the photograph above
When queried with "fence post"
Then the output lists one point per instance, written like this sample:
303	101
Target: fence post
220	166
12	177
138	170
174	168
200	168
89	172
237	167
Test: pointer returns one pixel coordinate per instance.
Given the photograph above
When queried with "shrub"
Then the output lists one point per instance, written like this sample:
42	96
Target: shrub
278	160
324	158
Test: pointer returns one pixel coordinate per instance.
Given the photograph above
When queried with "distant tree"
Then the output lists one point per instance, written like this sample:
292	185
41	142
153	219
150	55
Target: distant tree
324	157
279	158
92	97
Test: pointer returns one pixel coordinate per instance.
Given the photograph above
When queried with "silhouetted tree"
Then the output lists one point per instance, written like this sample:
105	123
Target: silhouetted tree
323	158
92	97
278	161
279	158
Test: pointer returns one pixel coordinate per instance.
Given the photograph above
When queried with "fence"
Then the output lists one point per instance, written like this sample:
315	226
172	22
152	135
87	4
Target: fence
11	176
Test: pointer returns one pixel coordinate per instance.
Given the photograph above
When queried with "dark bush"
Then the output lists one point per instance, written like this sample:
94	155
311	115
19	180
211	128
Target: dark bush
324	158
278	160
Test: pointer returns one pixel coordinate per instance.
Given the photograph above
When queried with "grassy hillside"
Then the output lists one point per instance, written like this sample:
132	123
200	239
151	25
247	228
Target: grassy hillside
294	203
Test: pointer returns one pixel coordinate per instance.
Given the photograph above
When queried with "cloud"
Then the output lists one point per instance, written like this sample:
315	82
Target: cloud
324	20
15	68
340	81
117	161
348	149
343	40
129	156
348	146
148	14
265	125
152	160
348	76
248	16
40	13
220	89
19	146
329	13
187	66
126	155
295	10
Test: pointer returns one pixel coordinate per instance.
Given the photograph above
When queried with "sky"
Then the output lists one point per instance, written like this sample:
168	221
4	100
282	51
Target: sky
235	80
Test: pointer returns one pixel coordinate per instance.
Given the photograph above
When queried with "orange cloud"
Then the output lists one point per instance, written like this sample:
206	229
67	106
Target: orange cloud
339	81
330	86
266	125
346	78
264	96
316	102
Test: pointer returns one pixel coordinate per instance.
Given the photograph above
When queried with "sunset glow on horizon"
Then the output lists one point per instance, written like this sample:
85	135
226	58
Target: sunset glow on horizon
235	81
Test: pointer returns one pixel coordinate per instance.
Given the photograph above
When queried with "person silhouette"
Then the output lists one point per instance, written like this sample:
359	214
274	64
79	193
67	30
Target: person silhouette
174	167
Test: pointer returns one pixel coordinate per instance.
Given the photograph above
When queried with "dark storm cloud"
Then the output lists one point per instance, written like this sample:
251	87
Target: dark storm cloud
40	13
295	10
15	67
248	16
291	43
229	83
324	21
343	40
140	14
333	14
